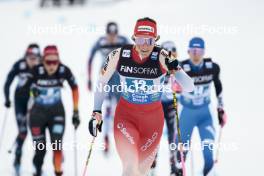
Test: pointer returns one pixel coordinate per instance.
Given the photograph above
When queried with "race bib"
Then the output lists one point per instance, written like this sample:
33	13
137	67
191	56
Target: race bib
141	91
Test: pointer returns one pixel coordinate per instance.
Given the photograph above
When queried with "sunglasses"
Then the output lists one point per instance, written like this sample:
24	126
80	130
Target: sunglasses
173	49
33	57
52	62
196	51
142	41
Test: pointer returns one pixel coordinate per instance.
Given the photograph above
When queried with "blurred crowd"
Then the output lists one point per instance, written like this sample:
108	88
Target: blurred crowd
58	3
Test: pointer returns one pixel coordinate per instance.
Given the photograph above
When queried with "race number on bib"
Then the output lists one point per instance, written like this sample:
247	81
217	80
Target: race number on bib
200	95
140	91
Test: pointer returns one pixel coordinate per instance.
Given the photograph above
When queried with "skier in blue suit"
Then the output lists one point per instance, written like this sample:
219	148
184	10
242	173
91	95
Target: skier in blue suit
196	111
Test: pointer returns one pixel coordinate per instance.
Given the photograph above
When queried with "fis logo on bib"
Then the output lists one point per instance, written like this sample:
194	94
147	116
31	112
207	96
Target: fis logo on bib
126	53
154	56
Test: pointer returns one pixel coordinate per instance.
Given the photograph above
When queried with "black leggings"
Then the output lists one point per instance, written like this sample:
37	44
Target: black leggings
21	119
53	119
169	114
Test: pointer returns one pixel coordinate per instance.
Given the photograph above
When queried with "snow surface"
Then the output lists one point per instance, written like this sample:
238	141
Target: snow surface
237	49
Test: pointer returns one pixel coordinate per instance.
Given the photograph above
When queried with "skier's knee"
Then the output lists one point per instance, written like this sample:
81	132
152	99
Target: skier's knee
21	138
22	133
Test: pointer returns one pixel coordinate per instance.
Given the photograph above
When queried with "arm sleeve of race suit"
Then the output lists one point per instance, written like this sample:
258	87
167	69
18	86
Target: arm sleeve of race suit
184	80
31	82
181	77
218	85
91	58
10	77
75	98
74	86
105	75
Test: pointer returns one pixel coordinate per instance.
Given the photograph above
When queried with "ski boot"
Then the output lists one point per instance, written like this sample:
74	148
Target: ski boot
17	163
178	172
58	173
173	171
37	172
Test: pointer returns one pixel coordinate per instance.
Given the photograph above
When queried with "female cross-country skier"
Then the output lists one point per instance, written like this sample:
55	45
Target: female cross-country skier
21	69
139	117
47	111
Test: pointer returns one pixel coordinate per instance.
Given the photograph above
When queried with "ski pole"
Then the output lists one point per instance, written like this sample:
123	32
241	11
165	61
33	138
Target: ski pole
75	154
192	161
218	145
179	133
178	129
3	127
89	156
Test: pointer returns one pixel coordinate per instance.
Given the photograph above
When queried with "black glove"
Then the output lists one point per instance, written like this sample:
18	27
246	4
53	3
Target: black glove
172	64
94	125
221	117
76	119
7	104
35	91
